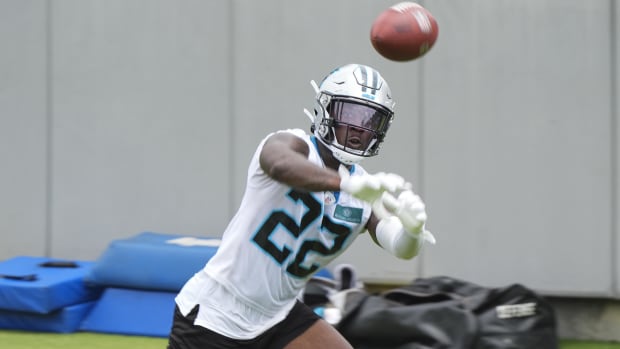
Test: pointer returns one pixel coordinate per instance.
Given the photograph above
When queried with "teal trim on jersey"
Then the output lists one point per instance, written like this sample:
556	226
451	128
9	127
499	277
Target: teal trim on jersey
351	170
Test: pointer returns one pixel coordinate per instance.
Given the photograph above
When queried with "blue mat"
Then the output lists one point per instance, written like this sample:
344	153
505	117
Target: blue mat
28	285
132	312
152	261
64	320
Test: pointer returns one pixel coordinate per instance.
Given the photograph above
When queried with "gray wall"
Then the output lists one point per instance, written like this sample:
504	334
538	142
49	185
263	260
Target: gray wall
119	116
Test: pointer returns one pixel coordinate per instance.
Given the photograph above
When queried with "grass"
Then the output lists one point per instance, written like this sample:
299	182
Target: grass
81	340
588	345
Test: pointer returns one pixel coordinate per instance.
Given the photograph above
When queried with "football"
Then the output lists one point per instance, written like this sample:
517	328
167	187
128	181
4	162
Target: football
404	32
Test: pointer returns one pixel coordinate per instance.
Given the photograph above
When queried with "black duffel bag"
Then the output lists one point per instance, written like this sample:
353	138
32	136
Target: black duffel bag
443	312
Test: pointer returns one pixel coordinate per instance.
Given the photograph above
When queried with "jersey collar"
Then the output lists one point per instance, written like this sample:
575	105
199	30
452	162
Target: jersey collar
316	145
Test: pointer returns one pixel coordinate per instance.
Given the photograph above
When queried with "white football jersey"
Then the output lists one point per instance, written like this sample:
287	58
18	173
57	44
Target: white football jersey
277	240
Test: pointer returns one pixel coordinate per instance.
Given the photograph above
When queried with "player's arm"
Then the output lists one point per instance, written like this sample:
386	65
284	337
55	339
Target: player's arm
398	225
284	158
390	235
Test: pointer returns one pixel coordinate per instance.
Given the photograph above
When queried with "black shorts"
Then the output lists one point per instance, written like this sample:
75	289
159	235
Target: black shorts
186	335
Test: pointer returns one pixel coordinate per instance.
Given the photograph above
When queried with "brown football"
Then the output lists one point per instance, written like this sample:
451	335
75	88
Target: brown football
404	32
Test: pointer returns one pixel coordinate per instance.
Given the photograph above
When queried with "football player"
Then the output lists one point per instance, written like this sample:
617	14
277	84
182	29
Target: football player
306	200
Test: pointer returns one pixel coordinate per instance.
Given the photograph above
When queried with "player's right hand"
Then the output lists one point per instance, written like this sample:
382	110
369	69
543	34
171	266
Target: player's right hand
369	187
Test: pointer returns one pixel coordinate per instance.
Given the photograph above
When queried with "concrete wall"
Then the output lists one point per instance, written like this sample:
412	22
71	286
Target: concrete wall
118	117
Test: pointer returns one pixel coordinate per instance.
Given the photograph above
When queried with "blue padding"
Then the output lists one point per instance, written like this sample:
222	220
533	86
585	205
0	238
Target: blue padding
325	273
52	288
132	312
64	320
152	261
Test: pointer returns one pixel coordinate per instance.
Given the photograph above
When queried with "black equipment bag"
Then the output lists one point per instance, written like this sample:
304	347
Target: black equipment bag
443	312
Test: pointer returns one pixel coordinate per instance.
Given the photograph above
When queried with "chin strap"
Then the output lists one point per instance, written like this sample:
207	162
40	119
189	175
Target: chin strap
315	86
316	89
309	115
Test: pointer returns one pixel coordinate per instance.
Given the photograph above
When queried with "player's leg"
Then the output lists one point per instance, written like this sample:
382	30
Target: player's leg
320	335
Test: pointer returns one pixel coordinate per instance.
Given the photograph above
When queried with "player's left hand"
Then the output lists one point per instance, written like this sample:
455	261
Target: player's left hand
410	210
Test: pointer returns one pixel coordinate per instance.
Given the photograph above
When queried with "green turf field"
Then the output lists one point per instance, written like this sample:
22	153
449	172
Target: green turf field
81	340
588	345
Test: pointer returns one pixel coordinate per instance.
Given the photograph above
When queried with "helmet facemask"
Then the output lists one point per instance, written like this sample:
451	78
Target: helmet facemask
352	128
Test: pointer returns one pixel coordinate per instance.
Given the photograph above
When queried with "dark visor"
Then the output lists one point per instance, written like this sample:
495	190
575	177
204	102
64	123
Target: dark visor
356	114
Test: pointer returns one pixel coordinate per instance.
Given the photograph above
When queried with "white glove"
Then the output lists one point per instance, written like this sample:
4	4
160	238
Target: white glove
392	182
410	210
369	187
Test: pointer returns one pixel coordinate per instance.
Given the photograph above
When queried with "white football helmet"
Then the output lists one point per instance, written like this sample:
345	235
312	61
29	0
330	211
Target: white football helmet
352	113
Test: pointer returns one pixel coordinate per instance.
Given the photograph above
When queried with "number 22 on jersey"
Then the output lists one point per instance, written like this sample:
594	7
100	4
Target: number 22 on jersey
280	218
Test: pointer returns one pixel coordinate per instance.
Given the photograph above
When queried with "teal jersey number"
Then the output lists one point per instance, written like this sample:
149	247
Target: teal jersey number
296	267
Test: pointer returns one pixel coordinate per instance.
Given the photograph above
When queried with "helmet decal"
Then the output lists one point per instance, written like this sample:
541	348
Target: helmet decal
364	81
